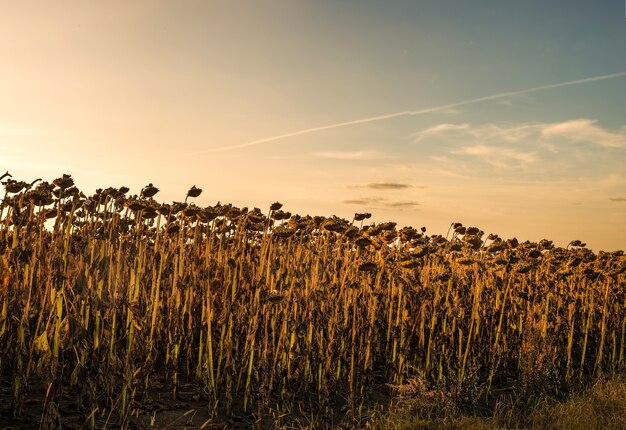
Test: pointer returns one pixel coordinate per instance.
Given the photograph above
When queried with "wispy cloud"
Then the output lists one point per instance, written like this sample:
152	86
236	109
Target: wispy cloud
586	130
364	201
518	146
385	186
438	129
353	155
383	203
410	204
577	130
617	199
507	133
383	117
498	157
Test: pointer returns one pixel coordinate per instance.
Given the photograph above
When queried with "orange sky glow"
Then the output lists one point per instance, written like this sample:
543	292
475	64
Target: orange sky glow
419	112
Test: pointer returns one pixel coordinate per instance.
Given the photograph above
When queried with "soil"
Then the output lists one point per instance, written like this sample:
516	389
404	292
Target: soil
159	410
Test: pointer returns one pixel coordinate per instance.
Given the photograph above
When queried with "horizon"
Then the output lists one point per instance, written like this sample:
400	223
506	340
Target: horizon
507	117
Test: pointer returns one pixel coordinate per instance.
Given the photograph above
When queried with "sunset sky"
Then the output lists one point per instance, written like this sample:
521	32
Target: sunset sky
507	115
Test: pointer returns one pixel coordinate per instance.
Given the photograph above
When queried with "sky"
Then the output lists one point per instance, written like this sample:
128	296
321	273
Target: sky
506	115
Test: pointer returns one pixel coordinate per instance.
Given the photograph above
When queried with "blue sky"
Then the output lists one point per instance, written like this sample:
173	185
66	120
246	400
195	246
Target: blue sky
125	94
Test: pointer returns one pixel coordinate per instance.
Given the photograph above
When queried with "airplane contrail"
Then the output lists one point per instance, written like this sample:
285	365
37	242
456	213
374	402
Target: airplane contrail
407	113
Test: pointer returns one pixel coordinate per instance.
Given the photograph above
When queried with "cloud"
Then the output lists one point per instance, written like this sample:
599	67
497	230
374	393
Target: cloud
498	157
410	204
385	186
438	129
353	155
522	146
382	203
617	199
363	201
586	130
578	130
502	133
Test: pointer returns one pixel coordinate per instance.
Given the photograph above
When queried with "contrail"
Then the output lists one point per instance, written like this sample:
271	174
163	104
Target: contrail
408	113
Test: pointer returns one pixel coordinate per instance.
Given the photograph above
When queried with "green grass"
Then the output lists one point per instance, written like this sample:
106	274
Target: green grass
603	406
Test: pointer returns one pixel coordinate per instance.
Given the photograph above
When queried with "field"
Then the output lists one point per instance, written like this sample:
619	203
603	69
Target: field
120	311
